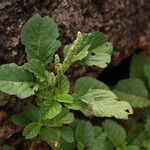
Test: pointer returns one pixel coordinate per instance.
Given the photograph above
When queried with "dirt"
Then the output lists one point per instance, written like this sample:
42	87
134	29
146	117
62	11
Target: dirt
126	23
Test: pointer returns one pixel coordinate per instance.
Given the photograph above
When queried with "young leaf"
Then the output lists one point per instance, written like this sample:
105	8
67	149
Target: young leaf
64	98
31	130
67	134
64	117
36	67
83	85
137	66
39	37
115	132
103	103
63	85
50	135
14	80
50	109
133	91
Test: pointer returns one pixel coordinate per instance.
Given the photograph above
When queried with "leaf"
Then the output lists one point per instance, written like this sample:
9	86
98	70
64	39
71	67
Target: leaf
63	85
147	73
115	132
39	37
36	67
31	130
77	104
67	134
20	119
32	112
50	135
64	117
83	85
64	98
14	80
94	49
50	109
133	91
132	147
6	147
99	51
103	103
99	56
137	66
84	133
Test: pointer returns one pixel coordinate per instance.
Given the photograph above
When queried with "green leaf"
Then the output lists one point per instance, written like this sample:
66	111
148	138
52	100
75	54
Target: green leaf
6	147
132	147
67	134
99	56
99	51
50	135
32	112
64	98
36	67
63	85
84	133
103	103
115	132
50	109
14	80
133	91
31	130
77	104
20	119
147	73
64	117
85	83
39	37
137	66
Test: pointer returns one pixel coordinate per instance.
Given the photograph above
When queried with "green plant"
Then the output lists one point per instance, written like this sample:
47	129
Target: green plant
136	89
48	117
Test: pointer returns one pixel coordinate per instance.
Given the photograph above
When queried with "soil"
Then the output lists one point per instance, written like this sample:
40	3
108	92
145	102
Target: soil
126	23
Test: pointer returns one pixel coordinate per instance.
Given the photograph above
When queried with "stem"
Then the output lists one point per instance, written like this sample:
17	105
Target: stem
33	145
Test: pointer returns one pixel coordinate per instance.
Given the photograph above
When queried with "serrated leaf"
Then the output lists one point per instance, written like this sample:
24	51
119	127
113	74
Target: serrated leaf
39	36
67	134
64	117
14	80
50	109
31	130
36	67
104	103
147	73
137	66
50	135
115	132
64	98
84	133
134	92
83	85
